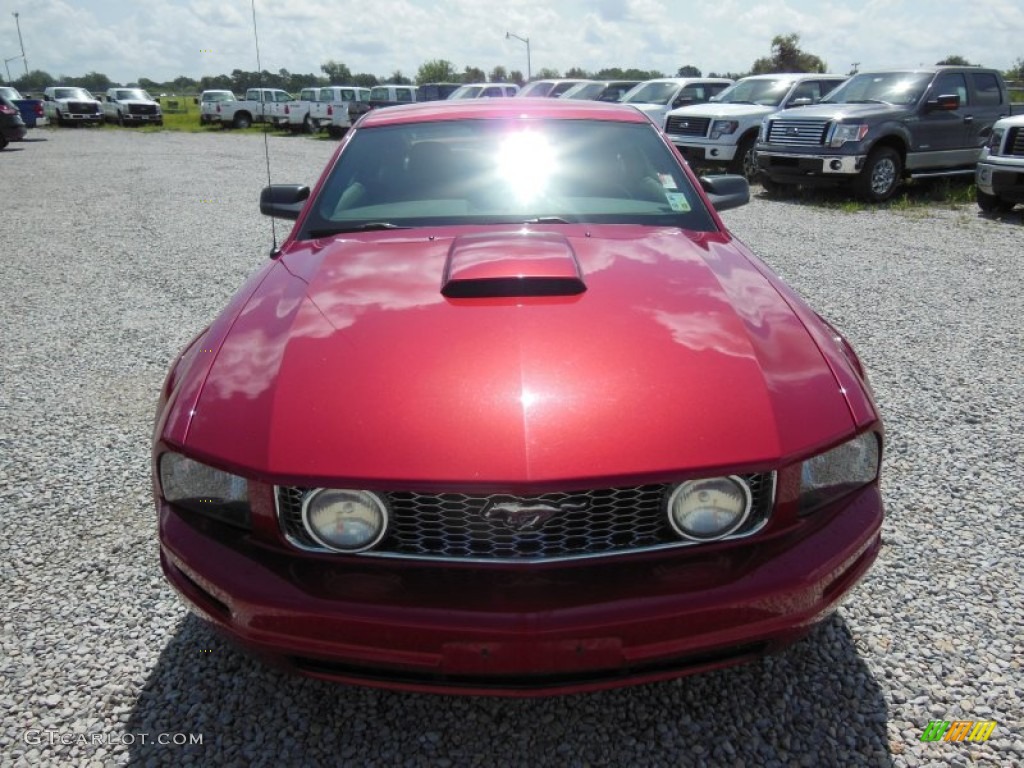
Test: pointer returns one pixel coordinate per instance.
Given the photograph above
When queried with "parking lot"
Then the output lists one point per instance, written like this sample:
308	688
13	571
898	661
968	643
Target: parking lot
119	246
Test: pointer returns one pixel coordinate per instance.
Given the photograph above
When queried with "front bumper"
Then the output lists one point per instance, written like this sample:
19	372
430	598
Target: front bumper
519	630
704	153
800	167
130	118
1004	180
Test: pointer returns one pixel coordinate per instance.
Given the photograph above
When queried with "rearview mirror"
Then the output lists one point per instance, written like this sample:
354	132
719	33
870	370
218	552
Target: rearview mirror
283	201
726	191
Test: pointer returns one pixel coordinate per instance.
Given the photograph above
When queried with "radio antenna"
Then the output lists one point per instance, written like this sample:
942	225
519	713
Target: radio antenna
263	109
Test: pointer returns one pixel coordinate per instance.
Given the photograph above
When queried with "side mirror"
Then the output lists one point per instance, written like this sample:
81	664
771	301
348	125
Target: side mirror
283	201
683	101
803	101
726	191
945	102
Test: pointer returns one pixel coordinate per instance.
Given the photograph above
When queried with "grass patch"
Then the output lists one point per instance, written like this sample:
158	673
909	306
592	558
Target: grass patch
915	195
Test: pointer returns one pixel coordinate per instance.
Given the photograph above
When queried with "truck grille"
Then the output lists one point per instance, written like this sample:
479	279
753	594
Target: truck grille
800	132
456	526
142	109
82	108
687	126
1015	142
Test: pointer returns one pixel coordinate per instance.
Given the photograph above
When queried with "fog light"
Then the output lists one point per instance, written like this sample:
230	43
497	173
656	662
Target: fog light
709	509
344	520
714	153
835	165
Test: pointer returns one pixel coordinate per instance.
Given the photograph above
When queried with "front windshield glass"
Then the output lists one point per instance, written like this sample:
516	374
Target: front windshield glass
887	87
466	92
767	92
651	93
584	91
125	94
505	172
72	93
538	88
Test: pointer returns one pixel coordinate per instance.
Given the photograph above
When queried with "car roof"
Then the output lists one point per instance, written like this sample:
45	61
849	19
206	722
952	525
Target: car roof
794	76
489	109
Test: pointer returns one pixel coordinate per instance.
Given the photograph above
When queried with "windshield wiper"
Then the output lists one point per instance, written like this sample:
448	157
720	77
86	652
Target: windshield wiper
864	101
548	220
369	226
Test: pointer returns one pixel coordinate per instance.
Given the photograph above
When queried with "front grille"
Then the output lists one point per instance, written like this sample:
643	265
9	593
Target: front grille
1015	142
799	132
687	126
142	109
456	526
82	108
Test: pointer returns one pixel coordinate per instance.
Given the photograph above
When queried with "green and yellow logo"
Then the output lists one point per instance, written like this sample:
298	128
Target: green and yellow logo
958	730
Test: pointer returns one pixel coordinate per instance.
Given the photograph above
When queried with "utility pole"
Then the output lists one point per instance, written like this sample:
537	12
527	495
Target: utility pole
22	44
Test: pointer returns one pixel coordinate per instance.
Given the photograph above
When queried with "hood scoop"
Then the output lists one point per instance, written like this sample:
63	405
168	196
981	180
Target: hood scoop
511	264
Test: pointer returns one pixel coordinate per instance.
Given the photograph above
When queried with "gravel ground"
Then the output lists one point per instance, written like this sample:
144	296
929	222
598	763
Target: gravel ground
121	245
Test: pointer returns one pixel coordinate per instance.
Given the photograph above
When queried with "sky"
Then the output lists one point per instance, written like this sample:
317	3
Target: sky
162	39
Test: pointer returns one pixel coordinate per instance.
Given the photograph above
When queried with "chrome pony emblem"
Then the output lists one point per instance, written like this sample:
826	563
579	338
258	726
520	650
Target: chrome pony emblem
525	517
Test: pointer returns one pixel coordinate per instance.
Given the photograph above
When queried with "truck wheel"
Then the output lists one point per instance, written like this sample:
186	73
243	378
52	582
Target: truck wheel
992	204
744	162
3	141
880	175
307	125
120	119
60	120
242	120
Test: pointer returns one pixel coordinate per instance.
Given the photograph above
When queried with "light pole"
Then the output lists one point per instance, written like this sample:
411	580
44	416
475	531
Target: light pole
18	25
6	62
529	73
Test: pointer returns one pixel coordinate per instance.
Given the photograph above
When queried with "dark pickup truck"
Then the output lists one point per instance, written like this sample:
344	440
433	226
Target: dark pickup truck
879	128
31	109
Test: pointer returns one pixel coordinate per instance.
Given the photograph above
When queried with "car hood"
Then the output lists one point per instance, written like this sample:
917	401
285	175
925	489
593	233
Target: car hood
843	111
723	110
348	363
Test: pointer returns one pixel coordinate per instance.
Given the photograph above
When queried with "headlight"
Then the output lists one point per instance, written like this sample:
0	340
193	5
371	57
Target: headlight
709	509
995	141
764	131
835	473
723	128
848	132
345	520
200	488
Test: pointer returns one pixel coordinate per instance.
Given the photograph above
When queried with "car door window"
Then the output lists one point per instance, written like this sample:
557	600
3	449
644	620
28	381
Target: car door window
949	83
986	89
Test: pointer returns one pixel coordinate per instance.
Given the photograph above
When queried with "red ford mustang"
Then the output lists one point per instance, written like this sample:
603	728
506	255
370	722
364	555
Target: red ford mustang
510	411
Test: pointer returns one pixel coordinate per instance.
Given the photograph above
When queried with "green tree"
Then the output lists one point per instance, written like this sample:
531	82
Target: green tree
436	71
36	80
211	83
787	57
499	75
956	60
336	72
95	82
546	74
183	84
577	73
1016	70
515	76
365	80
688	70
473	75
397	78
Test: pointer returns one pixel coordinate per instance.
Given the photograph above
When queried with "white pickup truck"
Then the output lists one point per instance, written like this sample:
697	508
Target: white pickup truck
254	108
331	111
127	106
724	130
69	105
294	115
999	175
209	104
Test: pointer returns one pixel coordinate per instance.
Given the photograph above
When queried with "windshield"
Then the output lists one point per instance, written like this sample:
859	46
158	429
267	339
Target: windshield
505	172
126	94
584	91
466	92
537	88
767	92
887	87
9	93
71	93
652	93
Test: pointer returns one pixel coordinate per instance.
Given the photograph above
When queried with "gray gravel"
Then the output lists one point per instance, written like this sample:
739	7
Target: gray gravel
121	245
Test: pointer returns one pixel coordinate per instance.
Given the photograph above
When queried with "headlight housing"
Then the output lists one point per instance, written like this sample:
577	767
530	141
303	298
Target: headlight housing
995	141
721	128
844	132
345	520
709	509
200	488
835	473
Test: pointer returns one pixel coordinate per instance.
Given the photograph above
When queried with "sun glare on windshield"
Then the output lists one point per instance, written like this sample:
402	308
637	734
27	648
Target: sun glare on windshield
526	162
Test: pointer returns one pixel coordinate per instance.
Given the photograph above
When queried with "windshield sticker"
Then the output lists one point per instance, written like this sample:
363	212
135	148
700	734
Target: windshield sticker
677	201
667	181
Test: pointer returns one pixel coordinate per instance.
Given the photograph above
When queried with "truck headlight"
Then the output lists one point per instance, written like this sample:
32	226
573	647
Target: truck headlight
721	128
995	141
848	132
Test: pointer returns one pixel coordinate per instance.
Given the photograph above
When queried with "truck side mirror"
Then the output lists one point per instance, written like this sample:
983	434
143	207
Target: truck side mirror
803	101
944	102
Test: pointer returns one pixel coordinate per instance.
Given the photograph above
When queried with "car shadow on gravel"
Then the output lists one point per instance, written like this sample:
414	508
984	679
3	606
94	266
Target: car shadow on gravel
815	704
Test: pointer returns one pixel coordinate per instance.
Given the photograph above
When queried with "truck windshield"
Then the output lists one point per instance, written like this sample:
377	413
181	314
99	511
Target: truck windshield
651	93
126	94
886	87
766	92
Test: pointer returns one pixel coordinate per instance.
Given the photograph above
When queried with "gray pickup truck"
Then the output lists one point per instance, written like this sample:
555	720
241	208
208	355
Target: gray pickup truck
879	128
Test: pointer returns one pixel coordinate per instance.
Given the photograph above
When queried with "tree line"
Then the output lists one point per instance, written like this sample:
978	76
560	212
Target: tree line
785	56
